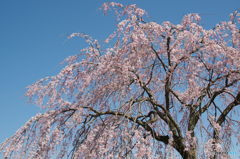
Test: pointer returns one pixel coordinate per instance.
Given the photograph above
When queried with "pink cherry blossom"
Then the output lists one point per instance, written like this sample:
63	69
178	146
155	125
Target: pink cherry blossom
152	91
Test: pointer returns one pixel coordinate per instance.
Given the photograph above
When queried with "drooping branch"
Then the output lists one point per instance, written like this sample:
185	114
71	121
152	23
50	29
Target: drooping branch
158	57
194	119
136	120
228	109
168	119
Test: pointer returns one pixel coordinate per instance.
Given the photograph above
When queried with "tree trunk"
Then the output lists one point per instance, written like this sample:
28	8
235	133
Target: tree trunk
180	147
191	154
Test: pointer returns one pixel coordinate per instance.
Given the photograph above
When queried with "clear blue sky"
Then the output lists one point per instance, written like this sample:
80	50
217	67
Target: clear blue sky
33	40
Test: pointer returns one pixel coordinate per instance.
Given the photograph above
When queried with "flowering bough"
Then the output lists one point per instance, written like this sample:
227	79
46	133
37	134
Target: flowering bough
157	91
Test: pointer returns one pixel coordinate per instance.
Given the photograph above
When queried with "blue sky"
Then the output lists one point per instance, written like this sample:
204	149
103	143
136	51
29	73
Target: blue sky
33	40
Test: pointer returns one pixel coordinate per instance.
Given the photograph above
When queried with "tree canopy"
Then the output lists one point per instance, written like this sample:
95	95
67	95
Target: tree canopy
153	91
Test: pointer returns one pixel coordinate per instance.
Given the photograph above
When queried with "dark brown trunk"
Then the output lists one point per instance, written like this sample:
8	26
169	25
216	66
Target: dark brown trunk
191	154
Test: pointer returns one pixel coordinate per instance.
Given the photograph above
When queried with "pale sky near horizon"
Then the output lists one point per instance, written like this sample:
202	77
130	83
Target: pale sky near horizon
33	40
